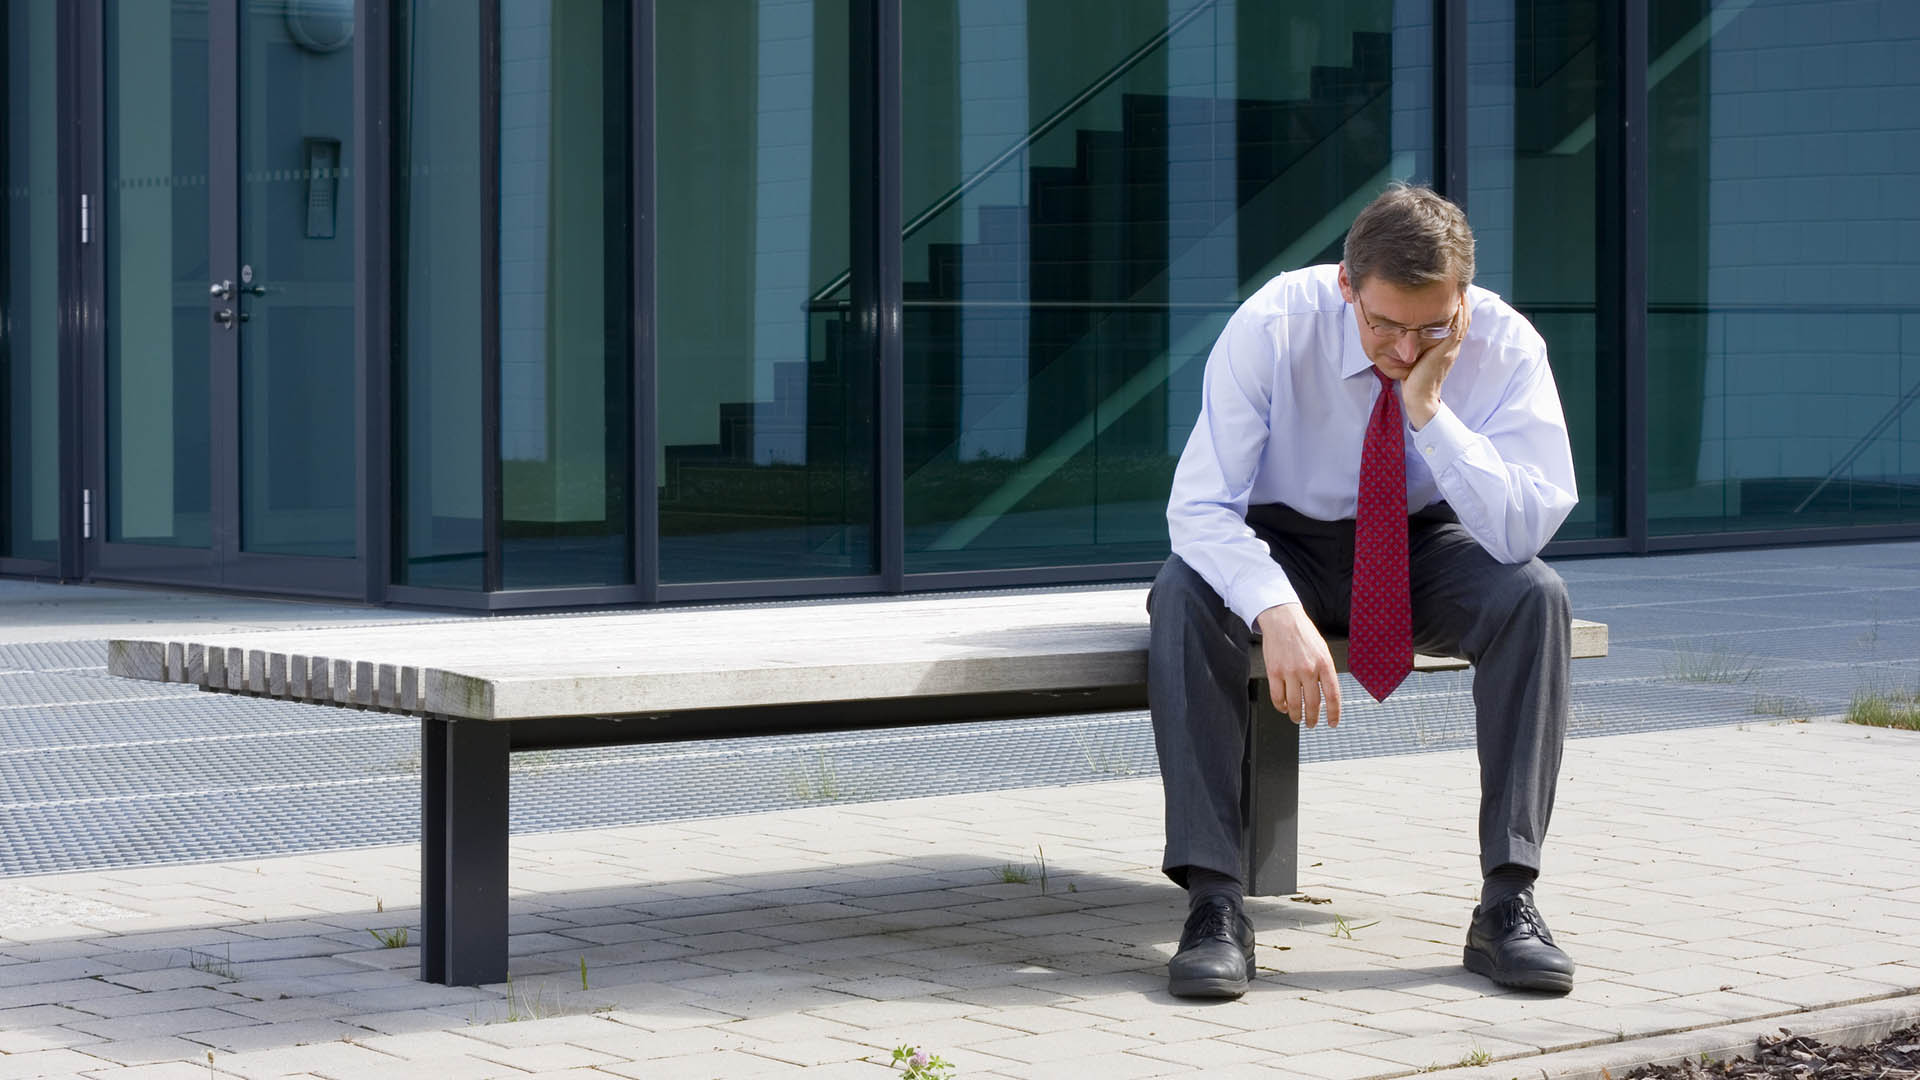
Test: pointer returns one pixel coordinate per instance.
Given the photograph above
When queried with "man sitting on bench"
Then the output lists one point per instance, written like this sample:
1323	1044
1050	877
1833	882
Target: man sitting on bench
1381	451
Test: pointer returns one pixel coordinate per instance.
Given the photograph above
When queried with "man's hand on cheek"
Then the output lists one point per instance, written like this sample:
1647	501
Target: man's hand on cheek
1420	392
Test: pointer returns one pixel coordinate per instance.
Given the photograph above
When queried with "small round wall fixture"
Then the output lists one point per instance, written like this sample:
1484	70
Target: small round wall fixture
321	26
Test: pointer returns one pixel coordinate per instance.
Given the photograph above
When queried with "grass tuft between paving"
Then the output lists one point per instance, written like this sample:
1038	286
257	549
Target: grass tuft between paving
1898	709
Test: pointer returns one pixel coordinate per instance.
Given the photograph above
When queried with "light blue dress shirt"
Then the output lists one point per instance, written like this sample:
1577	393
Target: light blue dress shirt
1287	394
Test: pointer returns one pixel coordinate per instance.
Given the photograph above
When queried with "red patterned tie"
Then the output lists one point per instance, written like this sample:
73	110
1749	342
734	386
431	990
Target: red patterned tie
1380	624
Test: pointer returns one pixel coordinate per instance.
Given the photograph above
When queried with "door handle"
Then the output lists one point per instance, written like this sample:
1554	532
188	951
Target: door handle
222	290
224	317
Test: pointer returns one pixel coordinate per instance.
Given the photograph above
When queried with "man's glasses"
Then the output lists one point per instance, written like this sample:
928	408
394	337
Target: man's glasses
1436	332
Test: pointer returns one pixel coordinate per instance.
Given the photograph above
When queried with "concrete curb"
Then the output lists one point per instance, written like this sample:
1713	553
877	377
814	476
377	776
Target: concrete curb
1842	1025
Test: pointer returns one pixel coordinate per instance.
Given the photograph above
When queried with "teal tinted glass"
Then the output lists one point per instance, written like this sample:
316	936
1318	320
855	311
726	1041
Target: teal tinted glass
765	423
1533	97
297	483
1090	188
1783	332
154	224
30	343
437	284
565	407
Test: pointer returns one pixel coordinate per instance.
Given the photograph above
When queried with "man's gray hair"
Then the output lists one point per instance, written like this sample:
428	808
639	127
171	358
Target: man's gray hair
1410	237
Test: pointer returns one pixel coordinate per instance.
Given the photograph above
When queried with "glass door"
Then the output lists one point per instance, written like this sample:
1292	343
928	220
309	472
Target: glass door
226	403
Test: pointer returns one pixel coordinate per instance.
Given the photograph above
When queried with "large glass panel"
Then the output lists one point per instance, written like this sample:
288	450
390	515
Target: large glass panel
29	295
765	426
565	293
1533	89
1784	264
297	490
158	321
437	279
1091	188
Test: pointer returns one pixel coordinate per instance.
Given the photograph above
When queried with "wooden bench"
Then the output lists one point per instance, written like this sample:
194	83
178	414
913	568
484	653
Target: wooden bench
486	688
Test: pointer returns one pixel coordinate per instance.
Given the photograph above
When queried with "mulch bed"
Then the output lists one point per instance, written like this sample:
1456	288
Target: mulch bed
1795	1057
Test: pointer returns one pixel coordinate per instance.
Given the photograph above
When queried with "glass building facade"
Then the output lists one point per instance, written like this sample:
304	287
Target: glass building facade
520	304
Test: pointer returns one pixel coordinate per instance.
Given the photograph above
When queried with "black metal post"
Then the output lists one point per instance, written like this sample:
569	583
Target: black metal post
1450	100
876	275
1621	244
491	487
646	329
373	184
463	851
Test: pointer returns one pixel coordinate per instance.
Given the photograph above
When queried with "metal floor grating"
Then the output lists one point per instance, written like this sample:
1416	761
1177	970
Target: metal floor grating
98	772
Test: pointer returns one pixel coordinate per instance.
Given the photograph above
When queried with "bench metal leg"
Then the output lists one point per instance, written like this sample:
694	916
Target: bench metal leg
1270	798
463	851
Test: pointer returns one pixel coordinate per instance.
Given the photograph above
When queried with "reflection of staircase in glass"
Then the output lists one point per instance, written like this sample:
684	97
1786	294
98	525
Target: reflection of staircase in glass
1083	270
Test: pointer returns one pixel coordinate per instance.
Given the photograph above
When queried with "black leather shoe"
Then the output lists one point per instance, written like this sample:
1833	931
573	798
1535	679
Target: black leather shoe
1216	952
1512	946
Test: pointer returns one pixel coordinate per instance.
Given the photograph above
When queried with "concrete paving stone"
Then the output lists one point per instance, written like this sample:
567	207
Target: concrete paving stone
72	992
27	1040
1547	1035
1816	991
901	1013
1121	1066
1309	1037
334	1060
405	1021
51	971
1859	954
1422	1052
1731	948
457	1067
1059	1045
157	979
172	1070
39	1064
153	1025
1039	1020
706	1065
1171	1028
147	1051
240	1040
1696	978
809	1051
546	1056
1338	1065
189	997
1780	966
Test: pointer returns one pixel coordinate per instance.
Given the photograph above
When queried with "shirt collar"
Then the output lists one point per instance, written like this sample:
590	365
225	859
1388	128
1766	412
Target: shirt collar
1353	355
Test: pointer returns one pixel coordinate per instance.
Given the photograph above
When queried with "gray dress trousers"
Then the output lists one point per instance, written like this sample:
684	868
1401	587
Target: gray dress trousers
1511	621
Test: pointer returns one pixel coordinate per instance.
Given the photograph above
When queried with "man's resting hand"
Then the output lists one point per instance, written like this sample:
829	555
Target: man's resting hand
1300	671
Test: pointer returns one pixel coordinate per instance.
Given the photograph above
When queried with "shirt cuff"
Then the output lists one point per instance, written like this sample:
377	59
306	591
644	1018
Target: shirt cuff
1444	440
1249	602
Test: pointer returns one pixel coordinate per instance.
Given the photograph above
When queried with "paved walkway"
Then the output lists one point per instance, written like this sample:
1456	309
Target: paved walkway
1711	883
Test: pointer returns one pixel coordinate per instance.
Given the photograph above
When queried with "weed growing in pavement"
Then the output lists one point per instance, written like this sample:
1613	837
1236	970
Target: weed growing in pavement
1345	929
1102	762
1476	1056
379	905
1896	709
395	938
583	973
1024	874
530	761
918	1064
211	964
816	780
1784	706
1719	666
